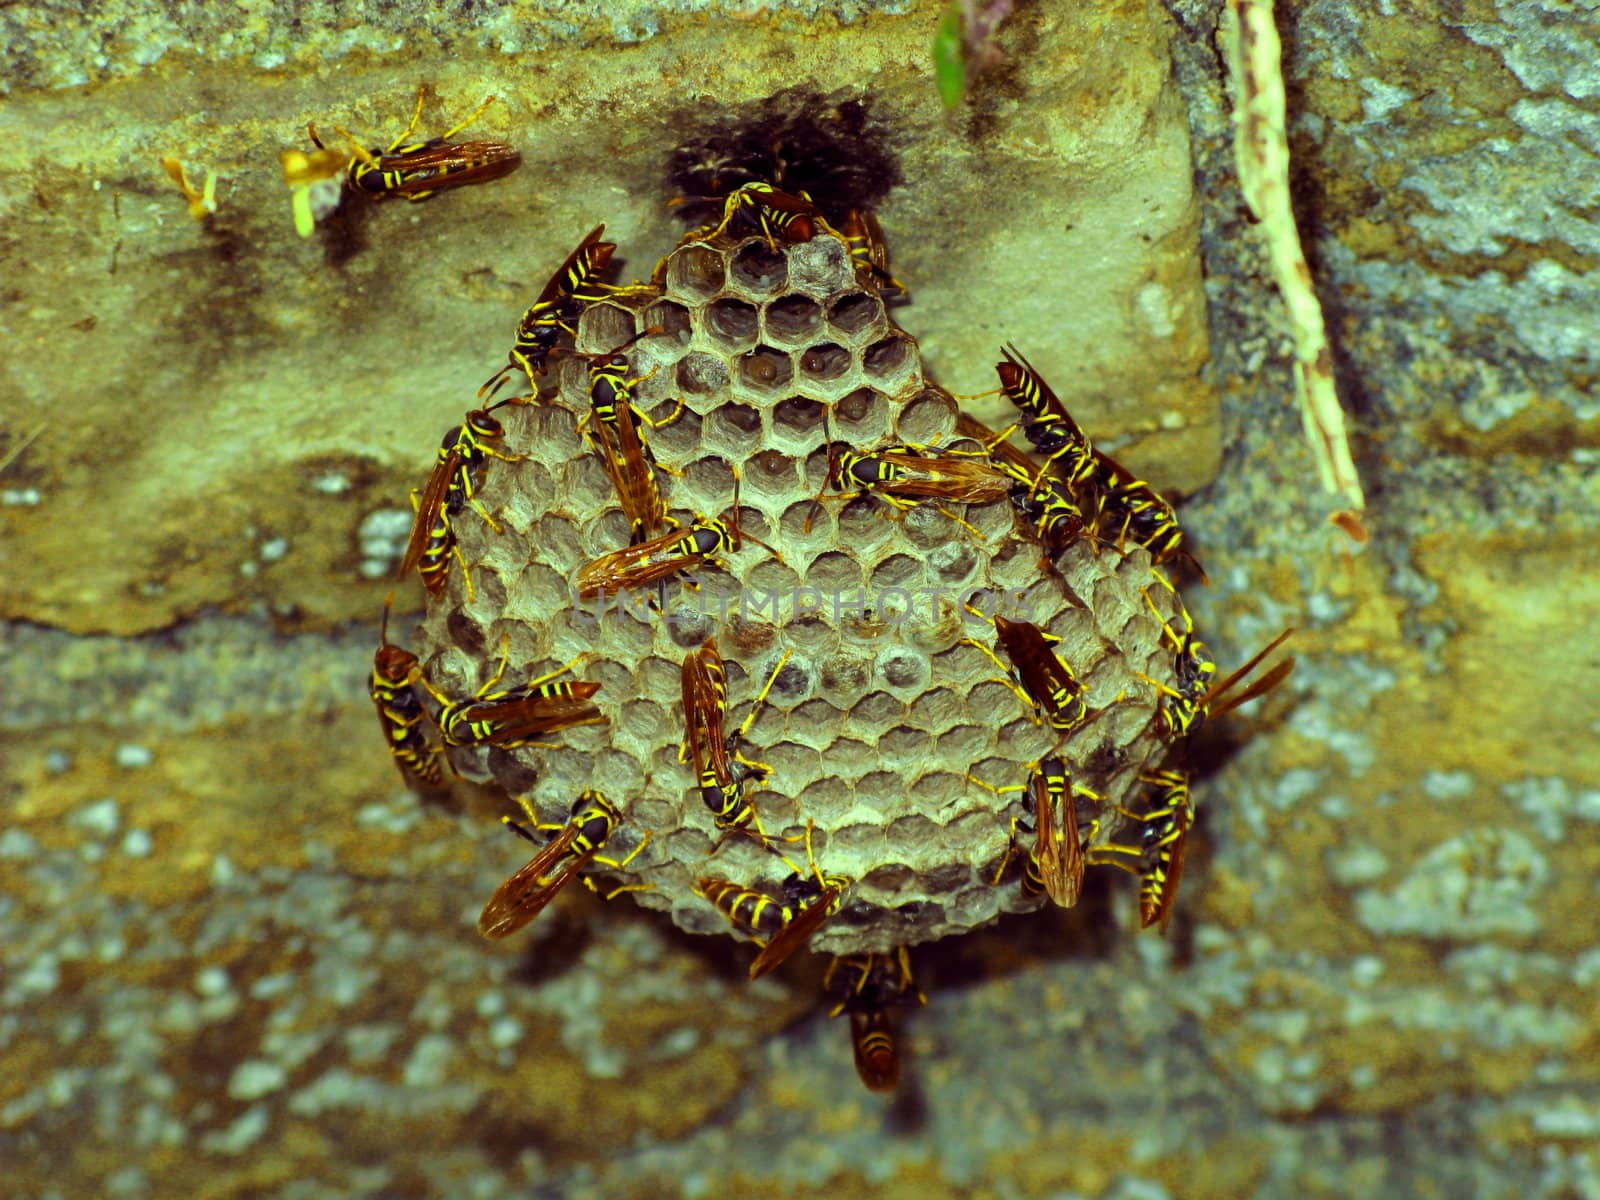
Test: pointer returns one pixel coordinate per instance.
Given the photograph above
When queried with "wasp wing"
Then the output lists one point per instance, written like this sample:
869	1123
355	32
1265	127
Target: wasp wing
944	478
632	472
590	258
522	719
444	165
704	710
524	895
428	507
1260	687
634	566
1060	857
796	933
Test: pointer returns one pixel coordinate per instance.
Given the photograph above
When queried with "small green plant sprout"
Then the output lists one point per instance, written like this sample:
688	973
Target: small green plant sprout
964	47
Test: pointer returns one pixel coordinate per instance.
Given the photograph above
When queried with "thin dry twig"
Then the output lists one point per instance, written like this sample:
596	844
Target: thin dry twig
1255	78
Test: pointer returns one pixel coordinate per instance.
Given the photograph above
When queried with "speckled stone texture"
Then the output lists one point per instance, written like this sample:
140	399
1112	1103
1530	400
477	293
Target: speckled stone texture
876	719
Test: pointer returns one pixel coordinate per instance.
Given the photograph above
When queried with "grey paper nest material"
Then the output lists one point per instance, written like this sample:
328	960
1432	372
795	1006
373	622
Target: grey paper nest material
877	718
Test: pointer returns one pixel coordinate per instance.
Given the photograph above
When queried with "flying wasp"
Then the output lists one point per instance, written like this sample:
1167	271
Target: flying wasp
574	286
575	847
868	987
1195	699
515	716
780	926
450	487
1055	864
719	766
400	711
417	170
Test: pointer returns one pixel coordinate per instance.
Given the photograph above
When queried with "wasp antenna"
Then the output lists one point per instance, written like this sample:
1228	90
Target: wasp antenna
492	384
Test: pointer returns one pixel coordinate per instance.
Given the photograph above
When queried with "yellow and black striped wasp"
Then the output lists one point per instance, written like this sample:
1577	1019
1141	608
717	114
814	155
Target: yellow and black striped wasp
1038	676
1055	865
515	716
616	433
678	550
1043	502
761	208
1195	699
450	488
400	711
779	925
1166	833
1045	420
414	170
870	252
906	475
1163	838
575	846
574	286
720	769
868	987
1131	511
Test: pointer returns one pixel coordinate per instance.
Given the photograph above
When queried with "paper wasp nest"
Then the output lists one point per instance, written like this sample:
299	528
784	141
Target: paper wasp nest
877	718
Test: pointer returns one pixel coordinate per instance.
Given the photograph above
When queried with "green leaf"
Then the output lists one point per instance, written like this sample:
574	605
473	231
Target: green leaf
950	59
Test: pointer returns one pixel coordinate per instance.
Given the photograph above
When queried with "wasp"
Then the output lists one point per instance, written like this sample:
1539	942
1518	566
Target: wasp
574	285
719	767
1038	676
868	986
400	712
780	926
515	716
705	540
449	488
870	252
904	476
616	434
1138	514
1165	834
1045	420
1056	863
575	846
1038	496
632	468
1193	700
417	170
762	208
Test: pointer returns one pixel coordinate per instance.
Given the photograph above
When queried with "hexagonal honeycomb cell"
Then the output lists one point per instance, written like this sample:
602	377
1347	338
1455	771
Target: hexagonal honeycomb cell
884	706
